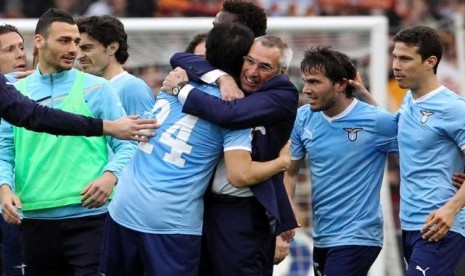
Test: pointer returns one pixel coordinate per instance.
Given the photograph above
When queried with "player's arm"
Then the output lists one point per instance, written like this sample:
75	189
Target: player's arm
23	112
195	65
290	177
458	179
242	171
276	102
10	202
290	181
104	103
440	221
198	68
130	128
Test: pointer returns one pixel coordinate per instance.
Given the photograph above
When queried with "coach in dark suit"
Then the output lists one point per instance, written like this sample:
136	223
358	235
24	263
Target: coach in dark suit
240	228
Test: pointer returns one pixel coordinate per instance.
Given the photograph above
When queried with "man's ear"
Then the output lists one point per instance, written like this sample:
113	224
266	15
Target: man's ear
341	85
112	48
39	41
431	62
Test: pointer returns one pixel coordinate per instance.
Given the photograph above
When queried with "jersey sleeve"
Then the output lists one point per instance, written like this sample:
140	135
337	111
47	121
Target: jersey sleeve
298	150
386	131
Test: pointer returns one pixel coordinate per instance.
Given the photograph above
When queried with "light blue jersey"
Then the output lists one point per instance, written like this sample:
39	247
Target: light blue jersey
347	155
161	190
11	77
134	93
431	140
51	90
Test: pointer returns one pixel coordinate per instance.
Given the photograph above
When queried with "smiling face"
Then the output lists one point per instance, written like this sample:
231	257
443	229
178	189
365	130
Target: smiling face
12	55
254	70
93	57
57	51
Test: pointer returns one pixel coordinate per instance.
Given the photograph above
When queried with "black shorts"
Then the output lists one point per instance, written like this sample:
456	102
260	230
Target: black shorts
62	247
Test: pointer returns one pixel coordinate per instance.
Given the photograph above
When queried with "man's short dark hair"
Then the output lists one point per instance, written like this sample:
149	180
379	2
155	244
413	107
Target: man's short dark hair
335	65
427	40
196	40
248	14
7	28
50	16
226	45
106	29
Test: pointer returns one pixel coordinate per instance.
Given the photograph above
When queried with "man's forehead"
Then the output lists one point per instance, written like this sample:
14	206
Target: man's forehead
63	29
87	39
262	52
8	39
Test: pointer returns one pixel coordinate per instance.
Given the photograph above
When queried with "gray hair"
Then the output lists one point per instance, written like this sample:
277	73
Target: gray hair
272	41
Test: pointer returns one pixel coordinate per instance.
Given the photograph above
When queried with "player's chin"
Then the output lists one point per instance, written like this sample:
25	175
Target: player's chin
315	108
85	68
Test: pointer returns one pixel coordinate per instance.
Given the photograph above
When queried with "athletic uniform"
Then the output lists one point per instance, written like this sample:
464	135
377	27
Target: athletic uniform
431	143
347	156
157	210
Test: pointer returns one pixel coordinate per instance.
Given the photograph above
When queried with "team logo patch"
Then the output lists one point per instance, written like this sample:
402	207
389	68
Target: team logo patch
352	133
425	115
308	134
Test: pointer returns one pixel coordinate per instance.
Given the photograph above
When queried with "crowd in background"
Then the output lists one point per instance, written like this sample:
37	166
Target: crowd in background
401	13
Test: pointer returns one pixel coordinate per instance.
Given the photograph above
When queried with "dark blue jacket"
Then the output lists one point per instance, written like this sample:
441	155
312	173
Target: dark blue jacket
271	111
23	112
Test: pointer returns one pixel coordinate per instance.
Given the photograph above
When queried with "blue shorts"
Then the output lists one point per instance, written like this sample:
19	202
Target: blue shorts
127	252
350	260
437	258
237	239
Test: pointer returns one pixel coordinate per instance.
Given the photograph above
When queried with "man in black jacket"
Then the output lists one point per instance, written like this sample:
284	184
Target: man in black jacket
23	112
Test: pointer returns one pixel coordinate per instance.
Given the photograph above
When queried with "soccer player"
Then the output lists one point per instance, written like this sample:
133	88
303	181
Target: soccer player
21	111
62	189
103	52
12	60
347	142
155	222
270	108
431	148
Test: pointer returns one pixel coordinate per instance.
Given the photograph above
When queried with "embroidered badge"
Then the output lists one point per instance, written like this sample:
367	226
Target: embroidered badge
425	115
352	133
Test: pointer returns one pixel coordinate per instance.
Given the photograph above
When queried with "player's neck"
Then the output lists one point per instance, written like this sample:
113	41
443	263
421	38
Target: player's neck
339	106
113	70
425	87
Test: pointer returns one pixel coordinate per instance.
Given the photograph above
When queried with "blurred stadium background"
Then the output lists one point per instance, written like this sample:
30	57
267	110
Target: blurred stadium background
360	28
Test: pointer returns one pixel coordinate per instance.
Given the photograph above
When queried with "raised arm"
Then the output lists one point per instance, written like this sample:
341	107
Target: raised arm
23	112
440	221
275	101
195	65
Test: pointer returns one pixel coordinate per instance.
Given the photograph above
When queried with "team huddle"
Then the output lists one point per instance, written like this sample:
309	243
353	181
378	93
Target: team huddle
210	191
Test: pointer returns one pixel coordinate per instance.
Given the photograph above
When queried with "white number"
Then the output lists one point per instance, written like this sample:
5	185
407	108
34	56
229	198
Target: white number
177	135
179	144
165	107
